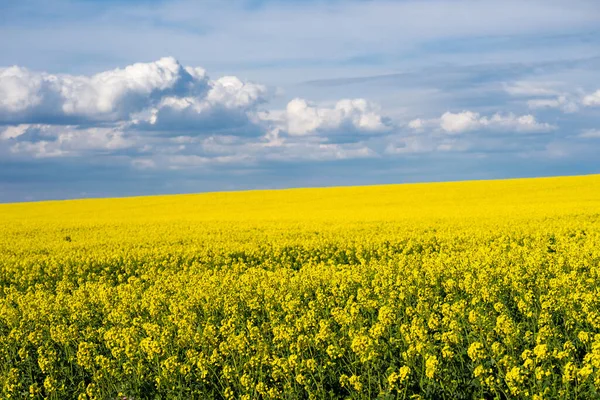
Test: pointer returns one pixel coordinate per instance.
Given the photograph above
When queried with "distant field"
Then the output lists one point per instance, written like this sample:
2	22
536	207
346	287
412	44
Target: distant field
487	289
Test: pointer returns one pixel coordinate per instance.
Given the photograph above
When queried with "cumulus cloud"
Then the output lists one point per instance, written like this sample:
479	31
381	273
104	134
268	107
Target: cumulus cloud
164	115
25	95
231	92
228	104
28	96
456	123
302	118
157	96
592	99
460	122
19	89
161	95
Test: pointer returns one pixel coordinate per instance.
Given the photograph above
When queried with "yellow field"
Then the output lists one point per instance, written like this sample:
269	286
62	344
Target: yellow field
467	290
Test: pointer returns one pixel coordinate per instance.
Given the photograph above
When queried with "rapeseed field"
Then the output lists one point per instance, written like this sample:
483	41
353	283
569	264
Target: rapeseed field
471	290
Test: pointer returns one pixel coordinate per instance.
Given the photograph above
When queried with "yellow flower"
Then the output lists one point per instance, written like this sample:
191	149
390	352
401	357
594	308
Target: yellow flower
354	381
398	378
585	371
479	371
273	294
431	365
541	351
476	351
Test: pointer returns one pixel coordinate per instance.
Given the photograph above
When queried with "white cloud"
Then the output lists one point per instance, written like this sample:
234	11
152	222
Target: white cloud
590	134
416	123
29	132
19	89
161	95
561	102
545	95
108	96
235	152
170	116
312	151
460	122
332	151
455	123
231	92
41	149
531	88
120	92
13	132
302	118
55	141
162	115
229	103
94	139
592	99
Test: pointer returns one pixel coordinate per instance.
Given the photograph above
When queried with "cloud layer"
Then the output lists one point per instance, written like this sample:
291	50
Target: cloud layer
162	117
162	114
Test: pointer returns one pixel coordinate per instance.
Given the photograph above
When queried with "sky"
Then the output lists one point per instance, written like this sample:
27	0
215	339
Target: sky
123	98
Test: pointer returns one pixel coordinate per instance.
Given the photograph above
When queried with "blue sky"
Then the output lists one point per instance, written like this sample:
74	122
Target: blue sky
119	98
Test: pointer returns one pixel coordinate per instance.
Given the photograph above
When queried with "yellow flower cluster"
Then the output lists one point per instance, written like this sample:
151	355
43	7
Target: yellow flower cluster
450	290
